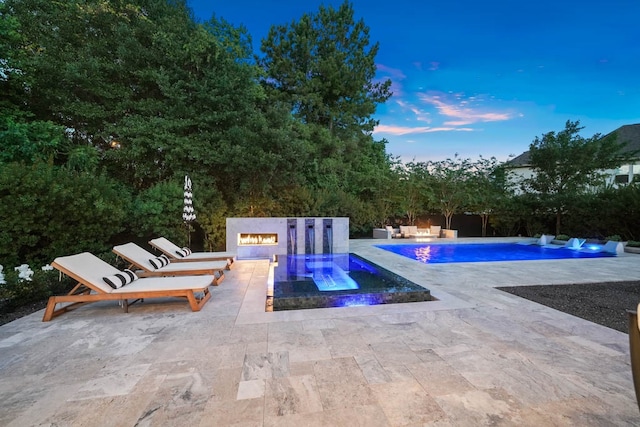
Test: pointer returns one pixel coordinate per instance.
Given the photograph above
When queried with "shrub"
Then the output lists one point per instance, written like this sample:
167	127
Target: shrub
614	238
19	291
48	211
562	237
158	211
633	243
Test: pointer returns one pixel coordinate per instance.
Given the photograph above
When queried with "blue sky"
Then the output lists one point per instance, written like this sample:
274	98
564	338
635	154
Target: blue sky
483	78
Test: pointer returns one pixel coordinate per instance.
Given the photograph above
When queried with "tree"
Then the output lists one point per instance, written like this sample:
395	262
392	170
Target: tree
414	190
566	165
324	67
488	186
449	183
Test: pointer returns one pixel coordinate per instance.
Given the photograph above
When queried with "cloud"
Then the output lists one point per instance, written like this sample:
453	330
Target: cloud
420	114
407	130
461	112
393	73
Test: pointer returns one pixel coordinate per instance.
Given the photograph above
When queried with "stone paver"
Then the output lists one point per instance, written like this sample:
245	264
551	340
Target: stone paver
476	356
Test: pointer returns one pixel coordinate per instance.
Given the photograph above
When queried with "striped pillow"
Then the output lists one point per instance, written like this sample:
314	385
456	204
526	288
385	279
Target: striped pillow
183	252
159	262
118	280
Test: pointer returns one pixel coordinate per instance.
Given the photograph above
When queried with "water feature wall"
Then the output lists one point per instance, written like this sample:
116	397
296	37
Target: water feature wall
309	236
292	236
327	236
265	237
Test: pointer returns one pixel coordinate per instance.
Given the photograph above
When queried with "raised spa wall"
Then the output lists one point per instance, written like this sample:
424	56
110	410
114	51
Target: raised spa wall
252	238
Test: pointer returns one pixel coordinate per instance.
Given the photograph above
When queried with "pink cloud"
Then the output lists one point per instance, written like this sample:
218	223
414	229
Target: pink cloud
421	115
406	130
463	114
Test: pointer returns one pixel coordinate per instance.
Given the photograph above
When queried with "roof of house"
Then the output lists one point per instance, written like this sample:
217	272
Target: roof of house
627	133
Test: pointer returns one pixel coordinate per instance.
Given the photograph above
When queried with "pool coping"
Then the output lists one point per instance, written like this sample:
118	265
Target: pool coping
443	279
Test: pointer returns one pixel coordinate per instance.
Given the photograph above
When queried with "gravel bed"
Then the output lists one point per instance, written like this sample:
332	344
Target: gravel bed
602	303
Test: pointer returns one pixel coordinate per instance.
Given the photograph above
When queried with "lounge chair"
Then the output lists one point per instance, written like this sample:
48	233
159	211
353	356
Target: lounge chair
177	254
634	348
152	265
90	272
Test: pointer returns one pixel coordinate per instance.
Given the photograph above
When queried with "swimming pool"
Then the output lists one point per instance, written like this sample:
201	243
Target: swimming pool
485	252
337	280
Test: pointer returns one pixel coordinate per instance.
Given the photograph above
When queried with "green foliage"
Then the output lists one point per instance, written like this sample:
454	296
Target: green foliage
487	186
342	204
47	211
214	224
633	243
17	292
613	238
306	63
508	216
157	211
608	212
413	192
565	165
30	142
563	237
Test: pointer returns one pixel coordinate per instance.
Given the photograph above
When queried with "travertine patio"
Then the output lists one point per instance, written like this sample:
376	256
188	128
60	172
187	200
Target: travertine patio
477	356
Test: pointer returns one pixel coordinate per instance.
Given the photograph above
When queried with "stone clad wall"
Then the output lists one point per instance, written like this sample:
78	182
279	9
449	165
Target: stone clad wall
282	226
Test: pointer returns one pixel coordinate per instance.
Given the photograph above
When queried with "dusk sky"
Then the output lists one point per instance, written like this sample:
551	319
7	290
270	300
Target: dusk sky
483	78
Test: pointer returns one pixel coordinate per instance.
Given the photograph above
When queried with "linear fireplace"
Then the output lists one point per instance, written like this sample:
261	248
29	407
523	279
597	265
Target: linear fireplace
251	239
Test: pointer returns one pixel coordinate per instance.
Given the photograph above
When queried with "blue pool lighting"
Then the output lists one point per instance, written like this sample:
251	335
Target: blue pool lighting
486	252
330	277
338	280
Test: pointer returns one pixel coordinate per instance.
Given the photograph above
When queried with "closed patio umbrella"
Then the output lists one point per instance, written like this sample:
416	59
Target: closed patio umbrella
188	213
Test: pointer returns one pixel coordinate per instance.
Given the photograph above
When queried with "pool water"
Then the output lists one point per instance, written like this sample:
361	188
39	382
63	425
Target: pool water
485	252
338	280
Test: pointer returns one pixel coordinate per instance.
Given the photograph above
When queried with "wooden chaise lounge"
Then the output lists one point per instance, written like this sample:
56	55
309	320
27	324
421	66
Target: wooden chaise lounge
177	254
143	260
89	271
634	350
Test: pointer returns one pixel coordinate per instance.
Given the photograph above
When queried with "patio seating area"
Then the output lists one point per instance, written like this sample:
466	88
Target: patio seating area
408	232
476	356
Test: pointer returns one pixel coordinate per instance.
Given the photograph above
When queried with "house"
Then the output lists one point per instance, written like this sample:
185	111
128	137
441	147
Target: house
520	166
